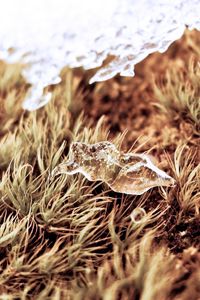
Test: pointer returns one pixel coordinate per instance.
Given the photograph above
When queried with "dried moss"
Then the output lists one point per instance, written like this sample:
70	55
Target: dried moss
70	239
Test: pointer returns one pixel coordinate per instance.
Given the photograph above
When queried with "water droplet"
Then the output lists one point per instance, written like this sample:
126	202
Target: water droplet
138	214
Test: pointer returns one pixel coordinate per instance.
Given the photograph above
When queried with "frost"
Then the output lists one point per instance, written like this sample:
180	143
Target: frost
123	172
46	36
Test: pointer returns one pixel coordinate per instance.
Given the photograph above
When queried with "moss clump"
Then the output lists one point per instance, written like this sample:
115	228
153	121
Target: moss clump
70	239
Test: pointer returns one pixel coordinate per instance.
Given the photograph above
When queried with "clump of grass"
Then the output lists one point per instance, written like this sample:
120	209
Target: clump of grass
70	239
178	94
139	272
186	171
12	92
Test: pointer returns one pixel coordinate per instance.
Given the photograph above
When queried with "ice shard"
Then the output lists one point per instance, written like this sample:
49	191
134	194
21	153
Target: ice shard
127	173
47	36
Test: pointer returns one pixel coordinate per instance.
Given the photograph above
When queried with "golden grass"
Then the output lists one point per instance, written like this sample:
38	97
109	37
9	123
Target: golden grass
179	94
70	239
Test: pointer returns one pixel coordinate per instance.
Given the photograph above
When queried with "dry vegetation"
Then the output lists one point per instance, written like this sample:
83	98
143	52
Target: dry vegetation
70	239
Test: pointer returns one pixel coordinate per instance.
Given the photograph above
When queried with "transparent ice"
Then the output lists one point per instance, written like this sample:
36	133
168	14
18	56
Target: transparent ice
46	36
127	173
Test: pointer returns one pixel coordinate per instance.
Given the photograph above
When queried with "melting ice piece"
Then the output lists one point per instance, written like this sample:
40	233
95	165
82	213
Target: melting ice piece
36	99
75	33
123	172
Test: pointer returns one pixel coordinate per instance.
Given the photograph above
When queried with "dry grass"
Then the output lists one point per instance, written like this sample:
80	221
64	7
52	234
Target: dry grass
179	94
70	239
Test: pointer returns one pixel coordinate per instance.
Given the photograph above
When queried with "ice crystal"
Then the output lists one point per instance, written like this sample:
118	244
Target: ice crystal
127	173
46	36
